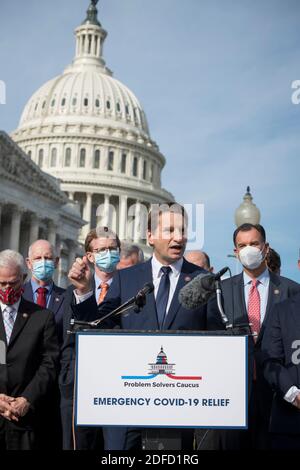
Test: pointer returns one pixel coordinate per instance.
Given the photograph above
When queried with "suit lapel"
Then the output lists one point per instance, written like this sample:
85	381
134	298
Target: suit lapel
147	276
184	278
239	299
274	296
28	294
56	299
21	320
2	329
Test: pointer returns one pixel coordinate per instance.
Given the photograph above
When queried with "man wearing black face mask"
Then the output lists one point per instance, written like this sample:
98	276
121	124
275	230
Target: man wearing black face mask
28	360
249	298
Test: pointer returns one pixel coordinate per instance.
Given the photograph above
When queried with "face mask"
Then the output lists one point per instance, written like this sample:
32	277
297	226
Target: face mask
107	261
251	257
43	270
10	295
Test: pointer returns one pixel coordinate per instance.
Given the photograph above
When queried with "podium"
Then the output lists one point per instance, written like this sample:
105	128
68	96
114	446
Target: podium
161	382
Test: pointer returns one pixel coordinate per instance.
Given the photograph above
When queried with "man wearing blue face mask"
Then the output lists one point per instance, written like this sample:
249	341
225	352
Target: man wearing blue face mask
40	289
102	248
42	262
249	298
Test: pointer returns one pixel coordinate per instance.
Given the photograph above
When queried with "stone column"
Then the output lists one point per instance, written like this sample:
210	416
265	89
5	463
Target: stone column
123	217
15	228
72	252
51	233
34	229
87	214
71	195
137	222
105	219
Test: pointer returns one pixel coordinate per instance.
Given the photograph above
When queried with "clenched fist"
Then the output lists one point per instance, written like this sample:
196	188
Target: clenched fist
81	276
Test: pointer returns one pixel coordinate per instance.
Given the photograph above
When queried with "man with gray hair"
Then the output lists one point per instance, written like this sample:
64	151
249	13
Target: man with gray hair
40	289
30	354
130	255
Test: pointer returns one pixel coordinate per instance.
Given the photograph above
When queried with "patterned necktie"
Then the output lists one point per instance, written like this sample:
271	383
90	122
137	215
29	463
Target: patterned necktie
162	295
104	288
254	308
8	320
41	297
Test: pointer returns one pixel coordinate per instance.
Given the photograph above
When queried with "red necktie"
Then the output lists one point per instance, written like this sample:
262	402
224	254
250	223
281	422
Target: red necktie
104	288
254	308
41	297
254	315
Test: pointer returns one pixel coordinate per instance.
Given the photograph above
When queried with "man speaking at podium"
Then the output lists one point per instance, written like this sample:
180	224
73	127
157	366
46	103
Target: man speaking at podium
168	271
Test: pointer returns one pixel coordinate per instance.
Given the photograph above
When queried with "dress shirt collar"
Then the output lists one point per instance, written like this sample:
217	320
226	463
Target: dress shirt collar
156	265
263	278
15	306
99	281
35	286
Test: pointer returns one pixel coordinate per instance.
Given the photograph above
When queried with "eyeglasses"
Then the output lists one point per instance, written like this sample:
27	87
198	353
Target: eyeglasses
104	251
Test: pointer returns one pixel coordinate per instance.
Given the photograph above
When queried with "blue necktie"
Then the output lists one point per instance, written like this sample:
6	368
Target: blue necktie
163	295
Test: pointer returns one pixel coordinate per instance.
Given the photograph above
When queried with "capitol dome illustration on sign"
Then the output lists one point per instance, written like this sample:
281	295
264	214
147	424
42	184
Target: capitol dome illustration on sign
90	131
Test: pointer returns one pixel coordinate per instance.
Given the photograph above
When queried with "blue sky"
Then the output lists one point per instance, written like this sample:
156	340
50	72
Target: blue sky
214	78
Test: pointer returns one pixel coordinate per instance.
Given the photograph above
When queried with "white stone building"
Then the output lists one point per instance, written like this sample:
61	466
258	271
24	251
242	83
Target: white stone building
89	130
33	206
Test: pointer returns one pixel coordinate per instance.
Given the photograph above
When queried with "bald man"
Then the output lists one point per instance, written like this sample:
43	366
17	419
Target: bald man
199	258
40	289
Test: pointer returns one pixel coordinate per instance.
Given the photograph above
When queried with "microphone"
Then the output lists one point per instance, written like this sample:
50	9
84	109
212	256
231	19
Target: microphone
140	298
200	289
138	301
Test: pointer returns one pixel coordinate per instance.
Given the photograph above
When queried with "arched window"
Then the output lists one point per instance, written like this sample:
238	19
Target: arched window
41	158
110	166
108	104
97	159
145	170
82	158
97	103
63	102
53	157
68	157
85	102
123	163
135	167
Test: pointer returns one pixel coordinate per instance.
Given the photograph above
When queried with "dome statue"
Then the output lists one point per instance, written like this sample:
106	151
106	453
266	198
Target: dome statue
89	130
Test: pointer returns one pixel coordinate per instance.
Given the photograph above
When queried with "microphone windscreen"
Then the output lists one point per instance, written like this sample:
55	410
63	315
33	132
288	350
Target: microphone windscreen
197	292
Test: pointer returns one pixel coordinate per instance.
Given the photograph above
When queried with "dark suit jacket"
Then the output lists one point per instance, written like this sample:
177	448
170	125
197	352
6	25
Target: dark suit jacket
127	282
56	305
31	361
282	370
67	355
280	288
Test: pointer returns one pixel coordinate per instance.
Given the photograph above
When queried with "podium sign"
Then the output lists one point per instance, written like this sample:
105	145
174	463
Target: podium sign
161	380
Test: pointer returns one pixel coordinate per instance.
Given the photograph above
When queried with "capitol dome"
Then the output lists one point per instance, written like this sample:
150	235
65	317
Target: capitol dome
89	130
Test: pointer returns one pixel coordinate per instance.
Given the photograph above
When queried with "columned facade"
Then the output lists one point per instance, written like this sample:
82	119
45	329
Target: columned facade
33	206
89	130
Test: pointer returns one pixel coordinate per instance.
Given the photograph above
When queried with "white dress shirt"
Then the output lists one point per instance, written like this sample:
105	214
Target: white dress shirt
173	276
263	289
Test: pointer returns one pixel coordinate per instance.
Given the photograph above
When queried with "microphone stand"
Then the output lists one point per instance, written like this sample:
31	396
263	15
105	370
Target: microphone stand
220	306
139	301
241	328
